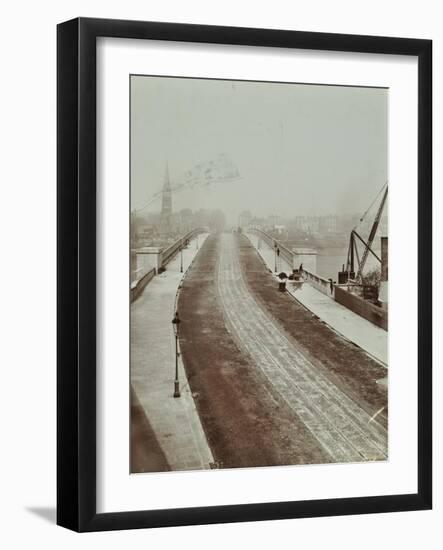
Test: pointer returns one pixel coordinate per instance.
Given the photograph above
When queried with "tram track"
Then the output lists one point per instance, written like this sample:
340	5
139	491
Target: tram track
344	430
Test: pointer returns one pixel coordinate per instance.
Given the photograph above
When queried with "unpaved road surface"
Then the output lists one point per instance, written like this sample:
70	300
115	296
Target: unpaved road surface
264	398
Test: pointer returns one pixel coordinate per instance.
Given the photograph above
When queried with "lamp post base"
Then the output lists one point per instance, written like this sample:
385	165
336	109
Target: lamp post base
176	388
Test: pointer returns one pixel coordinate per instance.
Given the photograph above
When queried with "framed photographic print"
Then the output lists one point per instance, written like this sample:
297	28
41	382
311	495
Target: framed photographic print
244	274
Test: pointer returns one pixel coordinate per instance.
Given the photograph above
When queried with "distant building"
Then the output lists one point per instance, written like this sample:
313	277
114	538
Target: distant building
328	224
308	224
166	211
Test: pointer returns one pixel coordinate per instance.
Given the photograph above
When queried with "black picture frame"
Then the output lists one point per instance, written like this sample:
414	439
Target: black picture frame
76	265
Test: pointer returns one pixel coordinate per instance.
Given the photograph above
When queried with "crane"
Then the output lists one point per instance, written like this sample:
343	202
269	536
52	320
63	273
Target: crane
353	254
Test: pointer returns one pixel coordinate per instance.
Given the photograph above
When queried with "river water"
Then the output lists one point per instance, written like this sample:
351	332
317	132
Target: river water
330	261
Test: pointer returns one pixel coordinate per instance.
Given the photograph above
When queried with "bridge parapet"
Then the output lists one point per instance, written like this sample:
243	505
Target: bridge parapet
168	253
139	285
146	262
285	252
320	283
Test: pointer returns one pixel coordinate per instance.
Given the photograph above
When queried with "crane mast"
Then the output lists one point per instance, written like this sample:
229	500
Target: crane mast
368	247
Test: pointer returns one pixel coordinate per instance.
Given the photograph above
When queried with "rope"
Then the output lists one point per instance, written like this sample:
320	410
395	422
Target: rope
371	205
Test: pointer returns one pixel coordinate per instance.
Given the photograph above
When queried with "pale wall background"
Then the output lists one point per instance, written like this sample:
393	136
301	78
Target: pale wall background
27	275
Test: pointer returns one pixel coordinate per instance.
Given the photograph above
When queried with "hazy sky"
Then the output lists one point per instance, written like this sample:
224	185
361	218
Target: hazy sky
300	149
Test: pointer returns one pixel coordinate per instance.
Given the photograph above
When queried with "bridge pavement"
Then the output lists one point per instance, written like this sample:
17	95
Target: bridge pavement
373	339
174	421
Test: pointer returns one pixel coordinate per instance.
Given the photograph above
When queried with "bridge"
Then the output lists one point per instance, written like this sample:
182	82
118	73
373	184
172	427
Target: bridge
266	377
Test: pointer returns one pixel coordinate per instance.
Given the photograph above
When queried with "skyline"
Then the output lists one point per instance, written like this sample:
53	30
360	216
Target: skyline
299	149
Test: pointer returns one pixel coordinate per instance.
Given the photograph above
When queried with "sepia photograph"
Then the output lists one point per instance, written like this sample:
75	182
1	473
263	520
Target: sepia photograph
258	274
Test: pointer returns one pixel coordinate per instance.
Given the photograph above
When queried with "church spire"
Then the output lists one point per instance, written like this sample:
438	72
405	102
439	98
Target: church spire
166	180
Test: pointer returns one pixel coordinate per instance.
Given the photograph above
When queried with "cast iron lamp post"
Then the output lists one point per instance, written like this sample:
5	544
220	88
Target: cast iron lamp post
275	257
176	322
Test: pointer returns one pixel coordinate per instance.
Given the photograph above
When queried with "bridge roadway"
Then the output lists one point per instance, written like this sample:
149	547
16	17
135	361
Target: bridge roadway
343	429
